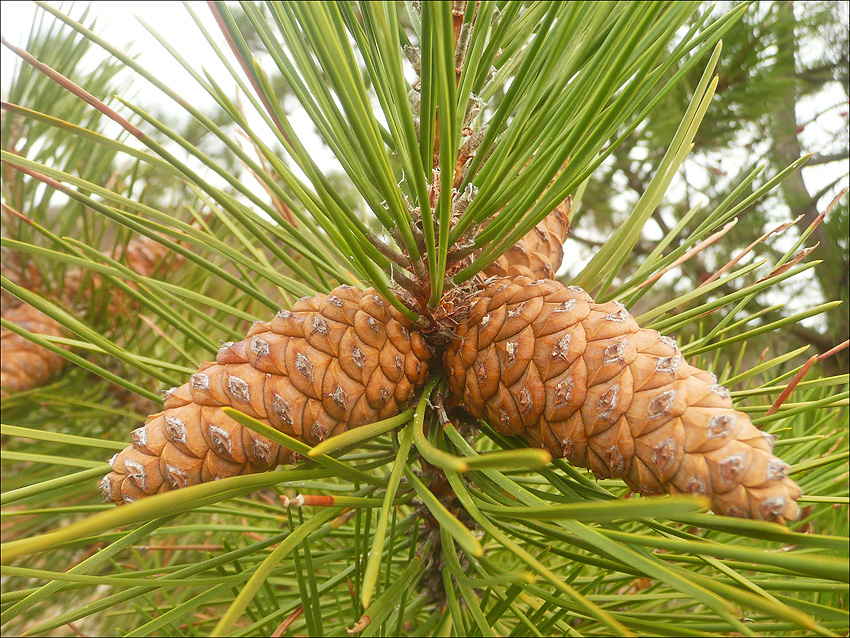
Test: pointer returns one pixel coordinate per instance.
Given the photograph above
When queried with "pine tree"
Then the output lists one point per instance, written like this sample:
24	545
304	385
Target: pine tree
468	131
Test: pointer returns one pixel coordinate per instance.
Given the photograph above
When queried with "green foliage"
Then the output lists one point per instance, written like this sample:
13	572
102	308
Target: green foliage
354	536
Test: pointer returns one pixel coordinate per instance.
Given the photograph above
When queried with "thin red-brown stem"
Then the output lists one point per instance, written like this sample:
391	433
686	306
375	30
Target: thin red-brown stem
693	251
76	630
249	72
179	547
834	350
73	88
306	500
279	204
748	249
805	252
342	519
791	385
281	629
87	554
801	373
350	588
800	256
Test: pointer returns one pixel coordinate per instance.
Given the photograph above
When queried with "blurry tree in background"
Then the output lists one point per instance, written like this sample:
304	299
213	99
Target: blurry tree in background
780	56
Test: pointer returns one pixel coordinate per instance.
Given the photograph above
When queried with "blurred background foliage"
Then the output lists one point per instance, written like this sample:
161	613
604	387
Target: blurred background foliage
778	63
44	217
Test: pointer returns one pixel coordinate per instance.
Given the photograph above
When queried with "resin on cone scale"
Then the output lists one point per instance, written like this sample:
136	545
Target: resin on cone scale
331	363
541	360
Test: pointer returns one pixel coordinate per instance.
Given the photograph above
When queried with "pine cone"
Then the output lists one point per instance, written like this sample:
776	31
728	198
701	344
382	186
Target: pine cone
23	364
26	365
22	275
543	361
144	255
332	363
539	253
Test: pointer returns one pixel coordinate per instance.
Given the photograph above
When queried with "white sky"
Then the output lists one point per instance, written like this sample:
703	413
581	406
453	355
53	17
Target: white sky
117	24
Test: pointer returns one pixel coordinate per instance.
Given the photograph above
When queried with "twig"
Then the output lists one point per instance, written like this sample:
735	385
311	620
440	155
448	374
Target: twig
801	373
693	251
407	283
455	255
282	627
387	251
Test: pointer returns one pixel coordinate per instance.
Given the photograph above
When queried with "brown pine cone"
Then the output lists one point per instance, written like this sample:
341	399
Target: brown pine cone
332	363
23	364
26	365
539	253
144	255
543	361
26	276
